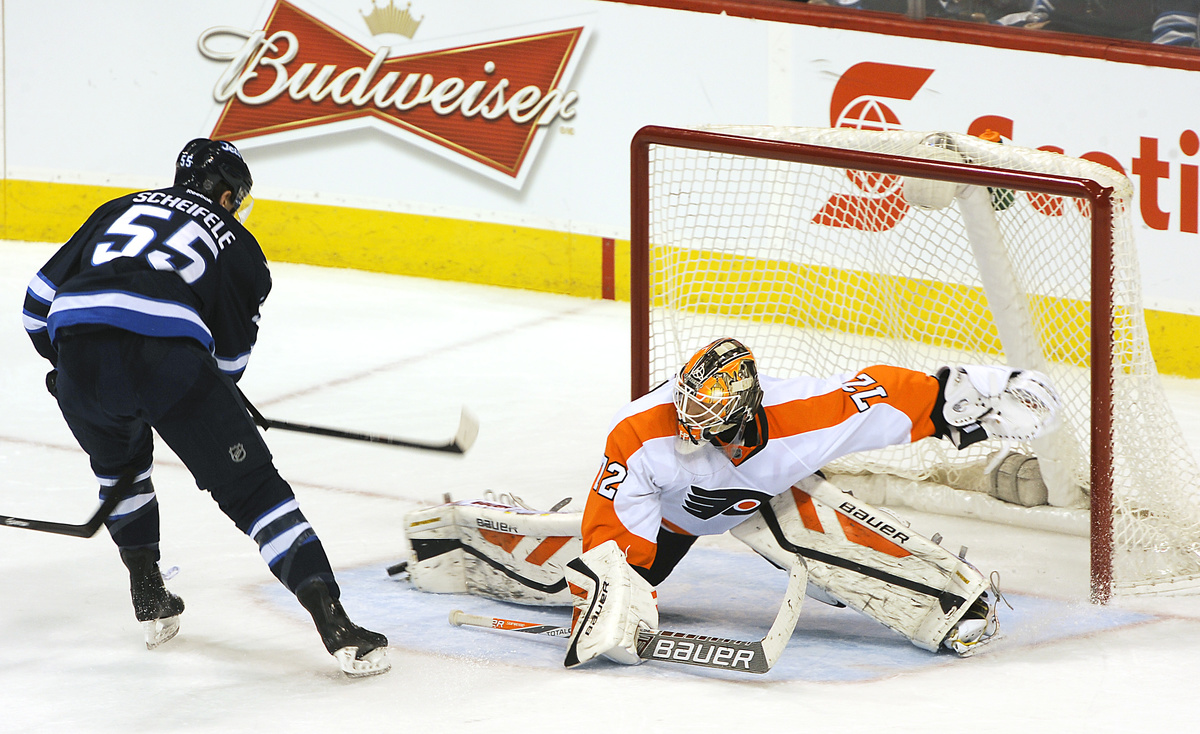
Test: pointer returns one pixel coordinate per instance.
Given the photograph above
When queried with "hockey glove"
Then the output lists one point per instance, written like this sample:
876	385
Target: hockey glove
52	383
612	602
1012	405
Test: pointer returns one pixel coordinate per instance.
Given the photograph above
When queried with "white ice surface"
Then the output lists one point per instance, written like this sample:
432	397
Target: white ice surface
544	374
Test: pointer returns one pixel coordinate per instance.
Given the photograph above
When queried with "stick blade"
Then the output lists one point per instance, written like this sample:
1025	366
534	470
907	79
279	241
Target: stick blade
468	431
704	651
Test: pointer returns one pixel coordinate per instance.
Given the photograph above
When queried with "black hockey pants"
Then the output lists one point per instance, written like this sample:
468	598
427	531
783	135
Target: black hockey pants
114	385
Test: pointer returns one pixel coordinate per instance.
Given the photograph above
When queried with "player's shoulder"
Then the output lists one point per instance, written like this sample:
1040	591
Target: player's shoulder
650	416
785	389
664	394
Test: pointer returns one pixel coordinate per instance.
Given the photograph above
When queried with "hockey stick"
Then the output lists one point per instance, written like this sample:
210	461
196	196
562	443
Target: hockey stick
459	618
87	529
464	438
756	656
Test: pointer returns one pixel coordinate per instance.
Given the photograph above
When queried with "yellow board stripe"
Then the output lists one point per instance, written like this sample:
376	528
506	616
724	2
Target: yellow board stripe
866	304
554	262
857	302
378	241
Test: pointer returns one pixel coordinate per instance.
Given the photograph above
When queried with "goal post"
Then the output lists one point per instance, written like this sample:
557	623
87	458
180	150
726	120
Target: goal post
827	250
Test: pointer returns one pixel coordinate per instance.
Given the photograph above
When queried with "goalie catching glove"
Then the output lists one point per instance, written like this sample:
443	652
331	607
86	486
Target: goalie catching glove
981	401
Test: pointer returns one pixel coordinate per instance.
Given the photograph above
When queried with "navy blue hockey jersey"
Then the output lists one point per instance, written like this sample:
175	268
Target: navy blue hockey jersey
164	263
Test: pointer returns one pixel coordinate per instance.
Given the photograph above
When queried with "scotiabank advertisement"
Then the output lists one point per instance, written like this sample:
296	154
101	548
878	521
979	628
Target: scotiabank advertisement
442	134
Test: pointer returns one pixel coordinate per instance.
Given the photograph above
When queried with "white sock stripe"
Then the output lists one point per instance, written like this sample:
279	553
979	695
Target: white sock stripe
132	504
282	543
277	512
112	481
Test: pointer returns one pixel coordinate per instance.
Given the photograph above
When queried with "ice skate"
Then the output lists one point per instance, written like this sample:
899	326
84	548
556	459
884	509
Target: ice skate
156	608
978	628
359	652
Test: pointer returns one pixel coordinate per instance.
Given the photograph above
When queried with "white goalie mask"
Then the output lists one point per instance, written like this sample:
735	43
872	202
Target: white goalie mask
717	390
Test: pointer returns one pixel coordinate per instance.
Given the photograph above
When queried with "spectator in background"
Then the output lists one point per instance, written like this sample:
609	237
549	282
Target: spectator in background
1175	24
1166	22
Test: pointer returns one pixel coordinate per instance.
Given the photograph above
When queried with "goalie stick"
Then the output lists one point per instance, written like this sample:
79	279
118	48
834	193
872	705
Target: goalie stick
87	529
464	437
755	656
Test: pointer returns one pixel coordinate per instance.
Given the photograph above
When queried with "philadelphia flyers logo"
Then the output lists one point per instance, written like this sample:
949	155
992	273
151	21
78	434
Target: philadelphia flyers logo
708	503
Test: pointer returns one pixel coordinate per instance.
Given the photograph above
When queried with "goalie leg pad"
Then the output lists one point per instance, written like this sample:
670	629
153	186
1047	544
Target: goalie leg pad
612	602
864	558
493	550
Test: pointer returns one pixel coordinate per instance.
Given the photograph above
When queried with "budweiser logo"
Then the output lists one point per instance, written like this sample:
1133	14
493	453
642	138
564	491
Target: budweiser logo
485	105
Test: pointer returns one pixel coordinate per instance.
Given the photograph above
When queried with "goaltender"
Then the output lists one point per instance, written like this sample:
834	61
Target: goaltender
722	448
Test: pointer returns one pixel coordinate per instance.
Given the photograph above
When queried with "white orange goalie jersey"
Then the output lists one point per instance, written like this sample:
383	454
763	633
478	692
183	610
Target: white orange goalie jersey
652	479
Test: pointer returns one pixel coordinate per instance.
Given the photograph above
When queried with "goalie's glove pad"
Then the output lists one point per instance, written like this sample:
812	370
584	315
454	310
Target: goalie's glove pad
1012	405
611	603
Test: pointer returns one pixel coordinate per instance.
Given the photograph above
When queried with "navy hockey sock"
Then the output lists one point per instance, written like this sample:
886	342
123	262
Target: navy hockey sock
291	548
134	523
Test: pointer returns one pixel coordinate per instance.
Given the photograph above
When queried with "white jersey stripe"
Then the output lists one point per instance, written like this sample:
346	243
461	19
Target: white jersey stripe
41	288
127	302
32	323
235	365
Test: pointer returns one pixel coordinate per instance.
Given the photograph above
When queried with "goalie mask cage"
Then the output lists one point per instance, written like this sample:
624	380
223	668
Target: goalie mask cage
829	250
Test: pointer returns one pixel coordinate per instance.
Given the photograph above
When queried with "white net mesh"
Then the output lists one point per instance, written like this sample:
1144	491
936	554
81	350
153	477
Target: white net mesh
821	271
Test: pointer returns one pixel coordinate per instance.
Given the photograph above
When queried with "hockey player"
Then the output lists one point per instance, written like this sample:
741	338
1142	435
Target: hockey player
148	315
723	448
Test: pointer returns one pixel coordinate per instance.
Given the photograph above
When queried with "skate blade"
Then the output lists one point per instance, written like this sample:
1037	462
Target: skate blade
373	663
158	631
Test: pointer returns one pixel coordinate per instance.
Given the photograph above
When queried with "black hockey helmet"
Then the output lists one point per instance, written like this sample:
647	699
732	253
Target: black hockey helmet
185	159
217	166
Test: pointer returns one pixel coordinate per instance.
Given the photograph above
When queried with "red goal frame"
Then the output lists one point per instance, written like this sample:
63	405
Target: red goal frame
1097	195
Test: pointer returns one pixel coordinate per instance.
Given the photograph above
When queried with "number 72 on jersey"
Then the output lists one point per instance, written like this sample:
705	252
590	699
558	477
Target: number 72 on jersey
608	481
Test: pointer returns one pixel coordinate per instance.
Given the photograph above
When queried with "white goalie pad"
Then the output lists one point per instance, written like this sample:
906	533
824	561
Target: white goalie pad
866	559
612	602
493	550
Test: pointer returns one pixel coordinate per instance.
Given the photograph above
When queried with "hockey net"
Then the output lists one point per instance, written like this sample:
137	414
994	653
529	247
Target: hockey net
828	250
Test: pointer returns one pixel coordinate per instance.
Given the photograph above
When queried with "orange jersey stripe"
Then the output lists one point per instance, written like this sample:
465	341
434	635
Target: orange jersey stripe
913	393
600	520
628	436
